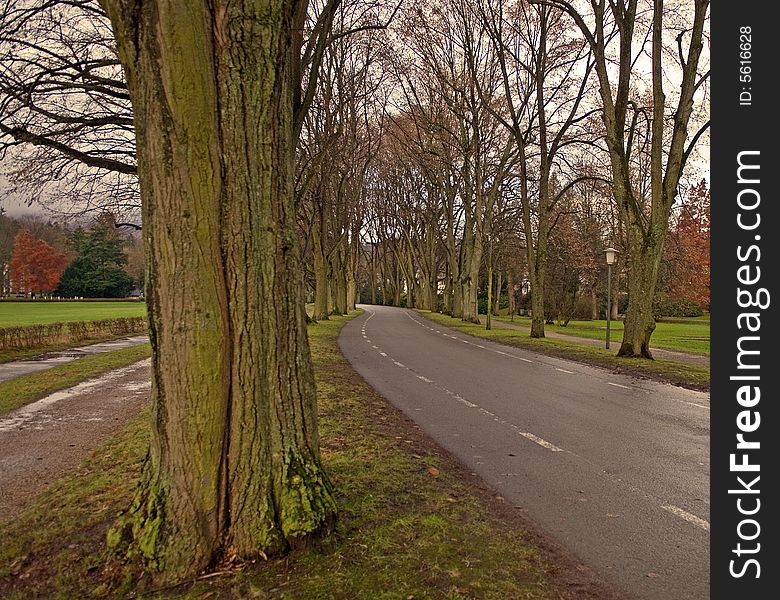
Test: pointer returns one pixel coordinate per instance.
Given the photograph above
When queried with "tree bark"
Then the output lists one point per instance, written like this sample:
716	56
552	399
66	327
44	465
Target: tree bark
234	464
321	281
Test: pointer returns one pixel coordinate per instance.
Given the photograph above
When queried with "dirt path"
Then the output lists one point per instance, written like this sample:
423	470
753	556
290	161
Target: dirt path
42	440
17	368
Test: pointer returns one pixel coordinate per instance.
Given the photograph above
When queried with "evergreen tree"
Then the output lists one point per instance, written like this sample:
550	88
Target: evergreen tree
97	271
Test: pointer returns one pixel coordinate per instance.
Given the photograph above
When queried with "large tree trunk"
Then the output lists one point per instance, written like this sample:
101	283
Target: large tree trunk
644	260
234	466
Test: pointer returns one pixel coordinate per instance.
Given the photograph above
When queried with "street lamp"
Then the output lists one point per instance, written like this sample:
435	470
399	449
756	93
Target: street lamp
611	256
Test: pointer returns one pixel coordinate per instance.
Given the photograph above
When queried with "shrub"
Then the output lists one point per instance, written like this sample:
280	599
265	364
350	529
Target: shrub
33	336
682	307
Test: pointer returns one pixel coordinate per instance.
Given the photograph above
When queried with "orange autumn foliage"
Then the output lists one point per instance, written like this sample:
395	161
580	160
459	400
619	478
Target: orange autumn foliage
35	266
691	249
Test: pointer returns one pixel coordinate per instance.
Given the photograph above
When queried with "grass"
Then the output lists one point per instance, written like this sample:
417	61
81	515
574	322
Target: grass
685	335
683	374
28	388
17	314
404	531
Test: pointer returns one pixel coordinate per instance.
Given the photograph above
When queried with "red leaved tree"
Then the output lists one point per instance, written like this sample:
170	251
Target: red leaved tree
691	249
35	266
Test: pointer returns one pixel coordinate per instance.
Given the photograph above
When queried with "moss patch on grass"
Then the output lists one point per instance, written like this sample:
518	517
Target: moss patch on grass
683	374
412	523
34	386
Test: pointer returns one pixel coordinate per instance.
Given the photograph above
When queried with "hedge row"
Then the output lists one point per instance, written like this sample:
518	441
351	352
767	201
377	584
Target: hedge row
32	336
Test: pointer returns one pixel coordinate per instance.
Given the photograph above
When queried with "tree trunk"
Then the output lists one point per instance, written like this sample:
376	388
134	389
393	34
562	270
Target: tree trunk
643	263
594	305
497	301
234	465
489	310
321	282
510	286
339	283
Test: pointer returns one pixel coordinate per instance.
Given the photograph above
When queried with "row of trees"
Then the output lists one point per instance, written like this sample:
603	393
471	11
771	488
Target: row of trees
91	263
509	142
463	140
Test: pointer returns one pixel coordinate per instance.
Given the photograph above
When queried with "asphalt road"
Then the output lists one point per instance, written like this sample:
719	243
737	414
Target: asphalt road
613	467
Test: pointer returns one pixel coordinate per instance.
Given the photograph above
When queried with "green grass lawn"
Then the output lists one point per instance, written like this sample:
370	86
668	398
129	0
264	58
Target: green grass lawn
16	314
676	372
686	335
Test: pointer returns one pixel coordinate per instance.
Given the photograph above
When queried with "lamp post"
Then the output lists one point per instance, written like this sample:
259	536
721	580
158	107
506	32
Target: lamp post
611	255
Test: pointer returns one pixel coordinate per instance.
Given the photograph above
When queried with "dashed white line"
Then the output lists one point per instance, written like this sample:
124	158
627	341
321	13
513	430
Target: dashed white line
564	371
625	387
540	441
383	354
687	516
399	364
523	359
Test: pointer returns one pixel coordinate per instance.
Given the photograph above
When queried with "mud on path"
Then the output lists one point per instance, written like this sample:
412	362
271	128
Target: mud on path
41	441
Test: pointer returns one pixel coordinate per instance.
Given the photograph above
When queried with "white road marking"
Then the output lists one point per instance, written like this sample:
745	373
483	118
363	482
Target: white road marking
523	359
540	441
564	371
625	387
699	405
687	516
457	397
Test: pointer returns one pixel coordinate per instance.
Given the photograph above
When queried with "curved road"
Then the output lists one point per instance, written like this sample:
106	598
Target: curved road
613	467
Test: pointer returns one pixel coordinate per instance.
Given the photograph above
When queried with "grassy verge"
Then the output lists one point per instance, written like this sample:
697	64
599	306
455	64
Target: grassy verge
38	351
691	335
412	524
683	374
28	388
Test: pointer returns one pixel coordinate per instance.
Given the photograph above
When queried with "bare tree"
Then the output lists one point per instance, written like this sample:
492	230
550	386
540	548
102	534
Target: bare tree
66	124
613	31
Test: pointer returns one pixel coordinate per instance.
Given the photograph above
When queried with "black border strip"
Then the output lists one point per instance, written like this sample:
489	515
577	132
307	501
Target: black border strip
744	114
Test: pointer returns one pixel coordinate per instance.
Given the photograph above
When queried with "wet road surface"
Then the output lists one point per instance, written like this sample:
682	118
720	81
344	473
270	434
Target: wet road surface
613	467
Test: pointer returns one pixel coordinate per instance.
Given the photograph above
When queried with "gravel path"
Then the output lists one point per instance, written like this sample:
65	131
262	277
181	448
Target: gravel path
42	440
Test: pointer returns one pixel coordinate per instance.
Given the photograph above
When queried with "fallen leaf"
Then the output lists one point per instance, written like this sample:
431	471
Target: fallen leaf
433	471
